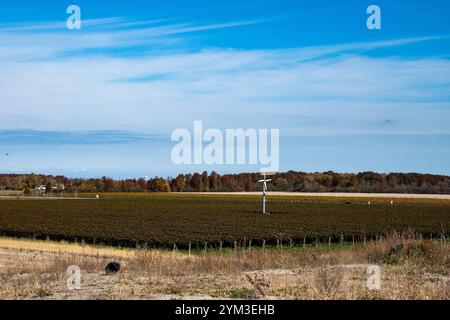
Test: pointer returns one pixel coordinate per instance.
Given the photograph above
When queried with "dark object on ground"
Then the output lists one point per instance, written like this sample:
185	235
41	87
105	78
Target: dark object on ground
348	202
112	267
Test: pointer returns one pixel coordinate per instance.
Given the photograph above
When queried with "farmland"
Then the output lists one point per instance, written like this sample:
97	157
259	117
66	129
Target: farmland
169	221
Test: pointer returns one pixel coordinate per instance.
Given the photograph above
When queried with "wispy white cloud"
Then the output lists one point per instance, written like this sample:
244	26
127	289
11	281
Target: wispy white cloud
32	137
60	25
318	51
312	90
25	41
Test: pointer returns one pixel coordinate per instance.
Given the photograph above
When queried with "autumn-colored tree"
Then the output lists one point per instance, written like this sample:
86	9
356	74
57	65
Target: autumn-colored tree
197	182
205	181
290	181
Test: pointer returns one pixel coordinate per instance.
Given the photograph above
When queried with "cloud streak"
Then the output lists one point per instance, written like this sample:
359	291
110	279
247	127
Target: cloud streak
24	41
33	137
334	89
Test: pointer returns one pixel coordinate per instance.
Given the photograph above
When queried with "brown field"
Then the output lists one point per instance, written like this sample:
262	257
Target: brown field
410	269
197	221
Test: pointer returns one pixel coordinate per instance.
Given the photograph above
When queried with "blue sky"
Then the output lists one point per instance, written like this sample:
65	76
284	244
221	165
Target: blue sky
103	100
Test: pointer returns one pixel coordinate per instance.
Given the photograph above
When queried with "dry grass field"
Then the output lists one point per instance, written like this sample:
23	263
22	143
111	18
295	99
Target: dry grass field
375	198
328	197
410	269
10	193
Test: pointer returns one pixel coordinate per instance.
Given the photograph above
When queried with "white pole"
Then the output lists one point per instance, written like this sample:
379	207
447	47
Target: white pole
264	201
264	188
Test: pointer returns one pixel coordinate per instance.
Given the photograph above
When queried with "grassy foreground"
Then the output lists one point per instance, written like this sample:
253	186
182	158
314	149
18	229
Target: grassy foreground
409	269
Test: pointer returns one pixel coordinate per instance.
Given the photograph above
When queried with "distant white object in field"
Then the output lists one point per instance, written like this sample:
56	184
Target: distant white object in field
97	196
368	203
392	201
264	182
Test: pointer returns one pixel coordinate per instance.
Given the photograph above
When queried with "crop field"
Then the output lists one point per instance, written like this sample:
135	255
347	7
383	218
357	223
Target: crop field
169	221
10	193
288	196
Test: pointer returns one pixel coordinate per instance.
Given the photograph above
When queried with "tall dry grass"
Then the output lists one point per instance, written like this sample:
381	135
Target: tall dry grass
411	268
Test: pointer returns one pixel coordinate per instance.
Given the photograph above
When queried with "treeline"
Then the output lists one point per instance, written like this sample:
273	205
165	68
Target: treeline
214	182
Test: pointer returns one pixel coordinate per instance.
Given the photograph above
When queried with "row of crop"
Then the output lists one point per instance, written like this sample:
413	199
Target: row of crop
165	223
